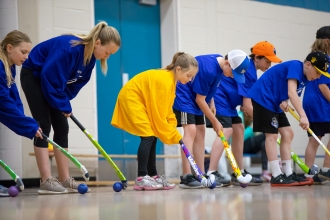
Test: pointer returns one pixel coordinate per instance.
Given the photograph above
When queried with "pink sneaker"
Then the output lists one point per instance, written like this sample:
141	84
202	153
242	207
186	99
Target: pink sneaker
146	183
162	180
266	176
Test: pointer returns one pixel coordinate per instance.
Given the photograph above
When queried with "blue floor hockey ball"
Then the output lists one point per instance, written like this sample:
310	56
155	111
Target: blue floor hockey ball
82	188
117	187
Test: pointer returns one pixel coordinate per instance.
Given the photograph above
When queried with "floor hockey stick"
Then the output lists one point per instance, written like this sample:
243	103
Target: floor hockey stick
210	182
104	154
296	116
310	171
237	172
67	154
12	174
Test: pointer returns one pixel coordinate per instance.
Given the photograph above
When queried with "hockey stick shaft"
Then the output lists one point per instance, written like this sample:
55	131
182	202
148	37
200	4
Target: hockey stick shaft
296	116
68	155
101	150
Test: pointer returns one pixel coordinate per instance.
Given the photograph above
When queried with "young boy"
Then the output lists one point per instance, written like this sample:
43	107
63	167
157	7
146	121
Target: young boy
231	95
195	99
270	96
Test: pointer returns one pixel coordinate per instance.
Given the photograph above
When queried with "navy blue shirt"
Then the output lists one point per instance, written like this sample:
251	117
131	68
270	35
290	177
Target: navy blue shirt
11	107
205	83
61	70
272	87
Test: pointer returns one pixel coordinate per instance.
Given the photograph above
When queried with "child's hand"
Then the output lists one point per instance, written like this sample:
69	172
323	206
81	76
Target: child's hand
284	106
304	123
217	127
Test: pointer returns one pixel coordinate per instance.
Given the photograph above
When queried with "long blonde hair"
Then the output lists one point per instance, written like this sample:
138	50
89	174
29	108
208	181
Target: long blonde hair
102	31
183	60
13	38
321	45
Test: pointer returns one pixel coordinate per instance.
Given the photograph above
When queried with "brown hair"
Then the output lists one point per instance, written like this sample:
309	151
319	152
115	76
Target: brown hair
183	60
13	38
102	31
322	45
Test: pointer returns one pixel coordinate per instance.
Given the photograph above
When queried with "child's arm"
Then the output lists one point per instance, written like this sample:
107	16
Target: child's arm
200	100
295	100
325	91
247	106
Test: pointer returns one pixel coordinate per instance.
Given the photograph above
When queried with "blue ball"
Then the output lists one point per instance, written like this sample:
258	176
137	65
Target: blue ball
82	188
117	186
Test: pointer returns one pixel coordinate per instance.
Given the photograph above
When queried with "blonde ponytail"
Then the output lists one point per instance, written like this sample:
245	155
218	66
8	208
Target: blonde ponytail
183	60
102	31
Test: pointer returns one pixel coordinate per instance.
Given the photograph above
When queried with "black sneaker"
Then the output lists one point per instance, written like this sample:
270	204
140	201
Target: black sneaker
324	175
190	182
220	180
254	181
282	180
303	181
319	181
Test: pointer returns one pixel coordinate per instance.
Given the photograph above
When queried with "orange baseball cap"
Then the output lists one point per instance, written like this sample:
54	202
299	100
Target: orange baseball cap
266	49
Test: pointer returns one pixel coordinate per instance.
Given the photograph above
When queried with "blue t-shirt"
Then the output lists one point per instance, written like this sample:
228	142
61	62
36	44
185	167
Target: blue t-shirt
204	83
230	93
61	70
11	107
316	106
272	87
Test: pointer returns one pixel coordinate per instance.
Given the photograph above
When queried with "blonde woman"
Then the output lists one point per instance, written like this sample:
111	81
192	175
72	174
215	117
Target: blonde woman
52	76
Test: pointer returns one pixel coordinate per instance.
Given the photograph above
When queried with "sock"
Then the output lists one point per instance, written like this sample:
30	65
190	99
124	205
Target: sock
325	169
210	172
286	167
275	168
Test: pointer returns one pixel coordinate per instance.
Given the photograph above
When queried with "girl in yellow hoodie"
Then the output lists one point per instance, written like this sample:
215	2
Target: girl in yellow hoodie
144	108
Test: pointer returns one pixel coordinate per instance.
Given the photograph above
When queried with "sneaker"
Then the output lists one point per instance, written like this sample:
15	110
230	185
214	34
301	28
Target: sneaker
303	181
220	180
324	175
71	185
51	186
265	176
3	191
282	180
146	183
254	181
190	182
319	181
162	180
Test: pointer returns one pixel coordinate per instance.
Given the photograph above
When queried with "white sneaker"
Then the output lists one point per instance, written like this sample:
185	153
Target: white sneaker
146	183
162	180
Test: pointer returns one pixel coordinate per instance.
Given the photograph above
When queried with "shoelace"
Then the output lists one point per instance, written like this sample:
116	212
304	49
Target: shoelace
164	180
53	181
151	182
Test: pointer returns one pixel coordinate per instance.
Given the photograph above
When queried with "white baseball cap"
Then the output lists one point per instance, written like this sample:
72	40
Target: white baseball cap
239	62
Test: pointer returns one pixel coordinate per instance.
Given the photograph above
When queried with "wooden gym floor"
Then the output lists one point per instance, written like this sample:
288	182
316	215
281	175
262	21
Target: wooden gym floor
258	202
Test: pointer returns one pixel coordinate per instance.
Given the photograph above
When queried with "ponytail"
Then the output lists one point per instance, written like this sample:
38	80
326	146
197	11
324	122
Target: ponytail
106	34
185	61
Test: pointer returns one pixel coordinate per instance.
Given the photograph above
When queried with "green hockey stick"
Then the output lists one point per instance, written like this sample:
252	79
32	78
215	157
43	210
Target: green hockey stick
13	175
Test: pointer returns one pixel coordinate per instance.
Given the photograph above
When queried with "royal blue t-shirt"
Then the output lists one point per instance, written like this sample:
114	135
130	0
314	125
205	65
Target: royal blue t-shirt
11	107
204	83
272	87
61	70
230	93
316	106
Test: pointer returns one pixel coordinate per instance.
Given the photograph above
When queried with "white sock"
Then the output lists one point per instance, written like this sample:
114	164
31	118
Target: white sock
275	168
286	167
210	172
325	169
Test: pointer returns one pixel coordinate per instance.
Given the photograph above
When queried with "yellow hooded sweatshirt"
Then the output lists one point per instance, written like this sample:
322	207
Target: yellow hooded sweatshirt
144	106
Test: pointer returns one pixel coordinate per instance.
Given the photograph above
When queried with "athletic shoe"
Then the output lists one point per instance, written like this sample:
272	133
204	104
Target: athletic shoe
303	181
162	180
51	186
265	176
71	185
324	175
319	181
3	191
146	183
282	180
190	182
254	181
220	180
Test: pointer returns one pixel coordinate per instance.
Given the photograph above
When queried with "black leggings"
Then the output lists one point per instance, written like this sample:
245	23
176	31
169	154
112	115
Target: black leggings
147	156
254	145
42	112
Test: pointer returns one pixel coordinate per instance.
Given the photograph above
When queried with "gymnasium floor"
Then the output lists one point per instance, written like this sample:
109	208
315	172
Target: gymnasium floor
259	202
